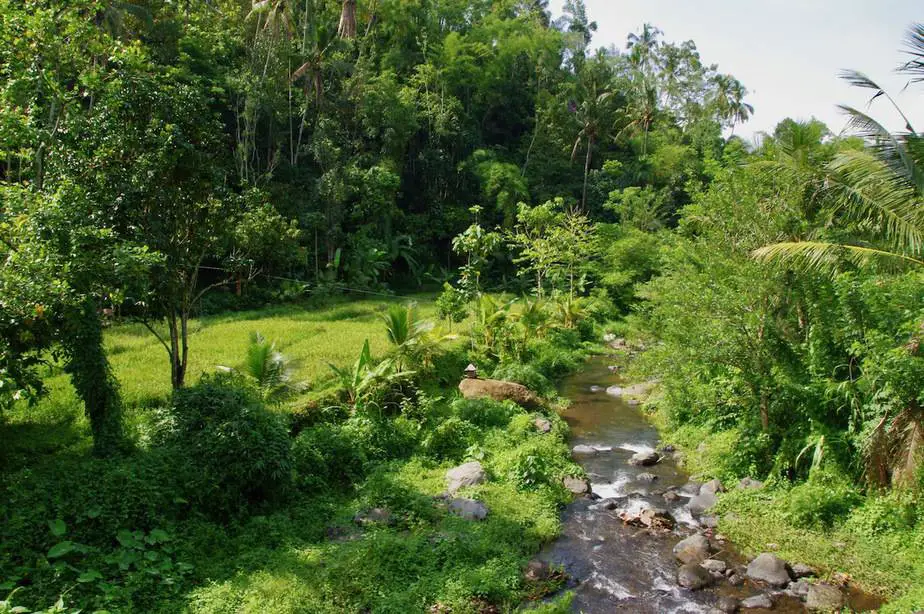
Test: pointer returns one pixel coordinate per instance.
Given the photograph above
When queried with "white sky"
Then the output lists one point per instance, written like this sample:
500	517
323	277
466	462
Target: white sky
786	52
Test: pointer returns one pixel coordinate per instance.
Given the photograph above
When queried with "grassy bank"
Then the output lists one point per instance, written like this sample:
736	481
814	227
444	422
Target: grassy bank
877	540
152	532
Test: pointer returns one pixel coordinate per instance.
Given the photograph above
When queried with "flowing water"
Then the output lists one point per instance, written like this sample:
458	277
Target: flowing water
613	566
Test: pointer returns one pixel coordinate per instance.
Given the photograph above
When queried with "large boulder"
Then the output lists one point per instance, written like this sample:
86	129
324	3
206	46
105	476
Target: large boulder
477	388
468	509
645	459
824	597
694	577
727	604
693	549
468	474
712	486
650	518
769	568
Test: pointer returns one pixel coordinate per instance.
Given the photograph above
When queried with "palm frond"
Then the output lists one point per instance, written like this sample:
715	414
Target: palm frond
889	148
829	257
869	191
914	46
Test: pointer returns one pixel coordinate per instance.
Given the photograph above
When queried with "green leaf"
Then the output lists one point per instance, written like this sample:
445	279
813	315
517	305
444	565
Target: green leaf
60	549
57	527
90	575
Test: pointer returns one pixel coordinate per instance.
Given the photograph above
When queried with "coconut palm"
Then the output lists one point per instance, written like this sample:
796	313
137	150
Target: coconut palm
270	369
881	189
594	115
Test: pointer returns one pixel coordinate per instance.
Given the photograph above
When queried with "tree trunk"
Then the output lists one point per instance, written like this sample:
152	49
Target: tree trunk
92	378
347	27
590	147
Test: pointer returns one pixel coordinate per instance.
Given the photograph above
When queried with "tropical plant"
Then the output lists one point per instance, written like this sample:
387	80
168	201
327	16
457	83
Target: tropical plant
359	380
451	305
269	368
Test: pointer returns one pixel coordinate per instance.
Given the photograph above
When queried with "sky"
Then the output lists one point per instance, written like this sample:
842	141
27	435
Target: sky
788	53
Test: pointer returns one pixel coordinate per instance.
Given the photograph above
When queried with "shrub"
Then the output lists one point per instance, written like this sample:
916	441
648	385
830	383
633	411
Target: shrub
821	501
451	439
382	438
326	456
526	375
552	359
486	413
242	450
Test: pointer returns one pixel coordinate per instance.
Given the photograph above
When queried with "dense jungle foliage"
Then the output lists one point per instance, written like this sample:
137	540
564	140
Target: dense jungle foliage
194	418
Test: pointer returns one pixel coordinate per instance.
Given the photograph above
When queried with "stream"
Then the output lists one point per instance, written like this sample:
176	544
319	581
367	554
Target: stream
617	567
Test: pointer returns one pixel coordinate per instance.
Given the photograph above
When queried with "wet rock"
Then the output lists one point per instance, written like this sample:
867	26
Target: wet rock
715	565
694	577
650	518
749	483
538	571
727	604
710	522
646	477
596	388
608	504
468	509
645	459
824	597
702	502
692	549
712	486
735	580
770	569
477	388
671	496
576	486
467	474
799	589
542	425
376	515
583	450
668	449
602	449
757	601
801	570
614	391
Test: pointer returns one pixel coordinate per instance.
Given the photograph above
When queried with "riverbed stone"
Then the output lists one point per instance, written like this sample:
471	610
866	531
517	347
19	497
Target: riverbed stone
499	390
671	496
645	459
735	580
576	486
692	549
646	477
769	568
467	474
614	391
468	509
715	565
757	601
727	604
583	450
703	502
694	577
799	588
712	486
801	570
824	597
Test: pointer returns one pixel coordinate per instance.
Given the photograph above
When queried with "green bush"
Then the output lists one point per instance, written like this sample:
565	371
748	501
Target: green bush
552	359
382	438
242	451
526	375
325	456
486	413
451	439
821	501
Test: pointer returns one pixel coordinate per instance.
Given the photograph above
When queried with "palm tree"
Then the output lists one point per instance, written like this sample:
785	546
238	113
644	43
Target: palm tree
729	100
347	27
270	370
594	116
882	189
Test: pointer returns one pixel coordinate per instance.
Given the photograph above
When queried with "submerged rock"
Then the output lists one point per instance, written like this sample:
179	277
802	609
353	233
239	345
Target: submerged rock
583	450
770	569
646	477
499	390
692	549
645	459
468	509
694	577
757	601
468	474
824	597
